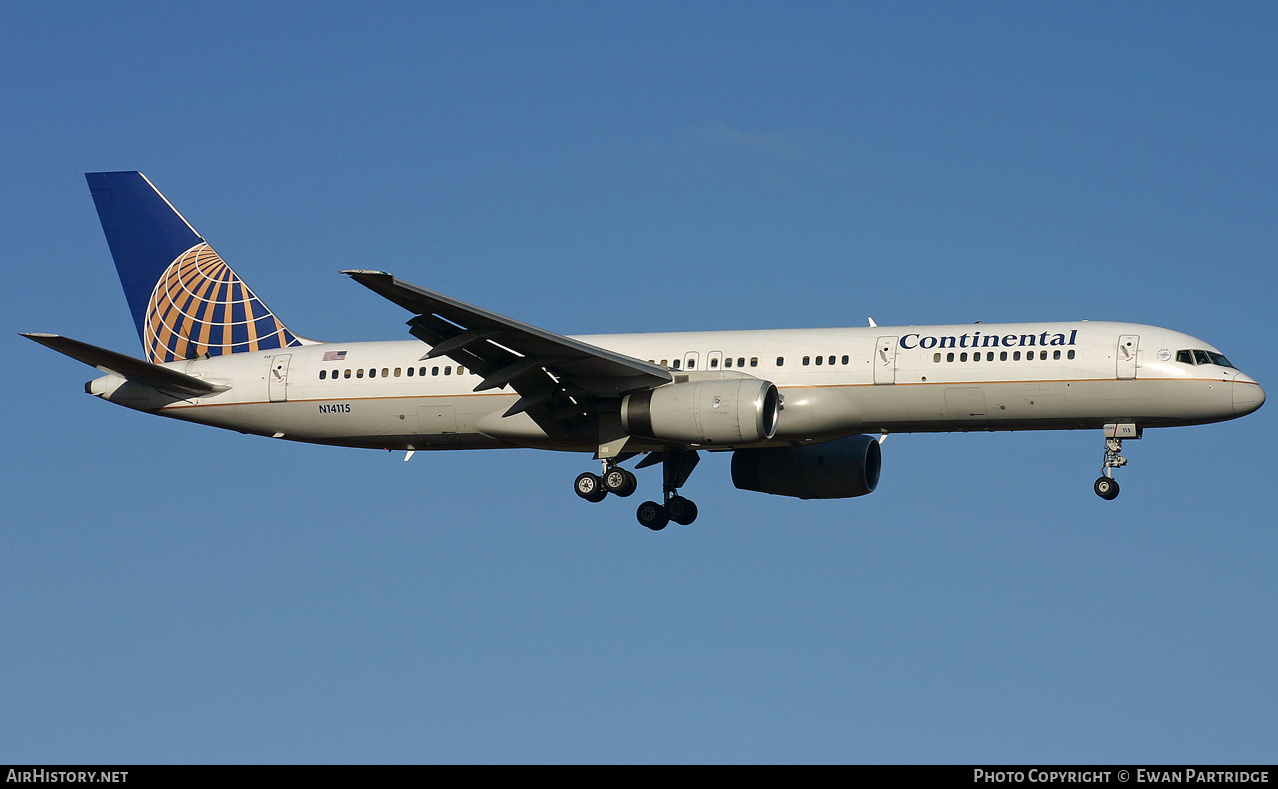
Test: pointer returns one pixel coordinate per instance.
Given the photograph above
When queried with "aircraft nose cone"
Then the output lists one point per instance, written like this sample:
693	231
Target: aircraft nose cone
1248	396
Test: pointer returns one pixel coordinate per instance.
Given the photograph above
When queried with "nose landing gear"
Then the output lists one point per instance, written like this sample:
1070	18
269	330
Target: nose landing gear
1106	486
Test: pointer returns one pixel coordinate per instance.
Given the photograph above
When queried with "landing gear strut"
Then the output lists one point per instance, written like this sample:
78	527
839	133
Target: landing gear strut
1106	486
677	465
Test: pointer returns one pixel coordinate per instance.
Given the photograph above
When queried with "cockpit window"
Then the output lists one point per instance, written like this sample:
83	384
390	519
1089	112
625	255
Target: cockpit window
1218	359
1202	357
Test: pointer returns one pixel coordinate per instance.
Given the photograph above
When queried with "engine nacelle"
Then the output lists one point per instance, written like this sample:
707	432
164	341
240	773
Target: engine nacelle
835	470
730	412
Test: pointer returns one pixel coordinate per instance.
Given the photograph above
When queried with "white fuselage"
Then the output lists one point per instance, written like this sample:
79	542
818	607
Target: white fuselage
835	382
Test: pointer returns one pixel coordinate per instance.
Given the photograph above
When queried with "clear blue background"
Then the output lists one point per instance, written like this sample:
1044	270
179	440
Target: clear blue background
173	593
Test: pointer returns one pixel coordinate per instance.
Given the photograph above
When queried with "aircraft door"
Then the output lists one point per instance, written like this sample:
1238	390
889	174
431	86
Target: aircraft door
885	361
1127	347
437	424
277	379
690	360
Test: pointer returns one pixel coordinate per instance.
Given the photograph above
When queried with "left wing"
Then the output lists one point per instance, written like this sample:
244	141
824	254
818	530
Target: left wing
557	377
136	370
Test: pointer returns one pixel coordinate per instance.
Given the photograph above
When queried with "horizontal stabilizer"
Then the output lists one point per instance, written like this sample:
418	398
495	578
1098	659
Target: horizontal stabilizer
127	367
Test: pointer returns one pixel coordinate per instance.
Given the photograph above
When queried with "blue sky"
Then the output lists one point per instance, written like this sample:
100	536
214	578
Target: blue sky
172	593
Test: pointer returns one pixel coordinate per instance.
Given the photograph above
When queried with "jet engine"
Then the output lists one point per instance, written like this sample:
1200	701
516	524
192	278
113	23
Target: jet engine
837	469
732	411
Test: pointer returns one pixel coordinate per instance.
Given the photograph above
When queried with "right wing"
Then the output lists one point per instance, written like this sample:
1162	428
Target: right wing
557	378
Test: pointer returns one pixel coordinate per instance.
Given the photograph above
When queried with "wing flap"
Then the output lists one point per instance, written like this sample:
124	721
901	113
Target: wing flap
127	367
561	381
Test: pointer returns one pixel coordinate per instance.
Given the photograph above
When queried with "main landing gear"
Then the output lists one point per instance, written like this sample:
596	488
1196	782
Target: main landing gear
615	480
676	466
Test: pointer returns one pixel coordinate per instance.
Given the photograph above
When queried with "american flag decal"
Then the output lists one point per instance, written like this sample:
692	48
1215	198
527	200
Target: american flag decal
334	356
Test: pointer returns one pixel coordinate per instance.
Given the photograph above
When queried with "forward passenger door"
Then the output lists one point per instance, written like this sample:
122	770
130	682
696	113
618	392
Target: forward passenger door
884	361
1127	348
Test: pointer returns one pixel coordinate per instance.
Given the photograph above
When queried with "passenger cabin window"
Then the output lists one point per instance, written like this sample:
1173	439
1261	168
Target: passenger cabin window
754	361
322	374
780	361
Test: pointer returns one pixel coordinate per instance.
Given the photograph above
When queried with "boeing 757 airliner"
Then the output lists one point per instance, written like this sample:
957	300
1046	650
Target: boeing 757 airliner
802	410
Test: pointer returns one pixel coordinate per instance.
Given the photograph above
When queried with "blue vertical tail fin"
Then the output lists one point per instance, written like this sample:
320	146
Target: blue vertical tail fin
185	300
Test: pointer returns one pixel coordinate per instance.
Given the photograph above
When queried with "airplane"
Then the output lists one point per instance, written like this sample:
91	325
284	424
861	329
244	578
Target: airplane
803	411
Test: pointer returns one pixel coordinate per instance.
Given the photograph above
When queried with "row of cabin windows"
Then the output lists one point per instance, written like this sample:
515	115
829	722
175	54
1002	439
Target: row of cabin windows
821	359
1002	356
386	372
714	362
754	361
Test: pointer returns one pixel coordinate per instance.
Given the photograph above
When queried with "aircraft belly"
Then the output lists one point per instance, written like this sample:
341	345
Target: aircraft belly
1032	405
430	421
1152	402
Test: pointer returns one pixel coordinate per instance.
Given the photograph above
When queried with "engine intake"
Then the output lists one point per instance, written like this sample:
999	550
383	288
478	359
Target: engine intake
835	470
732	411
